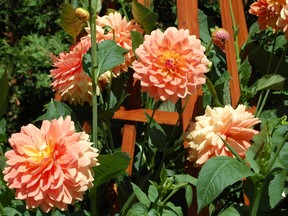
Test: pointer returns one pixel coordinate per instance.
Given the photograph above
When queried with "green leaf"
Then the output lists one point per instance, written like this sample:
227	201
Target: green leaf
138	209
86	63
137	40
170	210
3	135
185	178
111	166
188	195
245	72
57	109
217	174
276	187
141	196
230	211
96	6
144	16
152	193
109	56
3	93
71	24
270	81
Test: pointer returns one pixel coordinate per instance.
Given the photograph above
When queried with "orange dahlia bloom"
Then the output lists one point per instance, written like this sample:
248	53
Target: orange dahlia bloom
69	78
50	167
282	22
232	125
119	30
268	12
170	64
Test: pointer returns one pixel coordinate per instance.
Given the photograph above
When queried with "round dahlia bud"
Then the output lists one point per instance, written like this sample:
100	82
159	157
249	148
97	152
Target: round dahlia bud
220	37
82	14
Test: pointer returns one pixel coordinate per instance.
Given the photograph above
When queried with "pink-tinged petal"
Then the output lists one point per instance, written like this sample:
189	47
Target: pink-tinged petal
234	126
45	170
170	58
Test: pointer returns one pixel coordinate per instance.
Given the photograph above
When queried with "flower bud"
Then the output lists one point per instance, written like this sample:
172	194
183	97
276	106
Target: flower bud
220	37
82	14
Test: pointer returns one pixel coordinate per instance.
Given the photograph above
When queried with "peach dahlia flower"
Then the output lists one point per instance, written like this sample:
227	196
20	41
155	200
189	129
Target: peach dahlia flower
282	22
120	31
268	12
69	78
232	125
170	64
50	167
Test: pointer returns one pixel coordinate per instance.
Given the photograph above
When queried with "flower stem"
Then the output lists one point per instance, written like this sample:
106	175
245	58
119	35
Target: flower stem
256	198
235	36
94	209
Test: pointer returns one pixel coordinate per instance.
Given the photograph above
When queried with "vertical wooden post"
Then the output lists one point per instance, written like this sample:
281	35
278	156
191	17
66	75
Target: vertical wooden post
230	52
187	12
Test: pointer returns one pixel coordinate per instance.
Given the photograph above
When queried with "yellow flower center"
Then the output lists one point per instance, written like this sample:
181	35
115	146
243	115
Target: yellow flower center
170	62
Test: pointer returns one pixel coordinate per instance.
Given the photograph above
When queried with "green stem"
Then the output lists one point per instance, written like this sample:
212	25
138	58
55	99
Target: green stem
271	162
208	48
94	209
179	119
256	199
235	36
157	105
124	10
263	103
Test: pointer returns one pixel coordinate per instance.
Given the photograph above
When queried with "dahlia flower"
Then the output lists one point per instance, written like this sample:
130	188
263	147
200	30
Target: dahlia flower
50	167
282	22
71	81
267	12
220	37
232	125
170	64
120	32
69	78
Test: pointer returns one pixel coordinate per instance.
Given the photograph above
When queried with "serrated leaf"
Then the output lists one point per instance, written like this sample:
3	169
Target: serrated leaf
137	39
56	109
217	174
96	6
152	193
188	195
185	178
3	93
245	72
111	166
230	211
144	16
276	187
109	56
270	81
137	209
71	24
141	196
170	210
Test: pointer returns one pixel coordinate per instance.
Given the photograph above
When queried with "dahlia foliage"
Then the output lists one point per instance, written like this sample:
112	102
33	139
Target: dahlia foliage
141	82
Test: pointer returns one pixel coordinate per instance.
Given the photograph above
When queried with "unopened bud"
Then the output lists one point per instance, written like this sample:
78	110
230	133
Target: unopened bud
220	37
82	14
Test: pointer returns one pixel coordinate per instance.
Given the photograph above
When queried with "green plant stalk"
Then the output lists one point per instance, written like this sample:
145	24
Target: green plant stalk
124	9
256	199
258	111
94	209
157	105
235	36
272	161
208	48
179	119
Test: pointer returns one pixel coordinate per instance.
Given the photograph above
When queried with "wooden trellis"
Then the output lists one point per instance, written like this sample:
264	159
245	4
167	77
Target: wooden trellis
187	12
